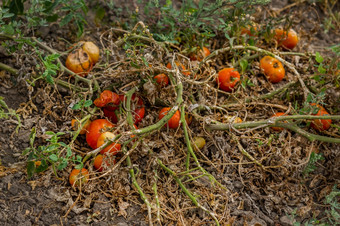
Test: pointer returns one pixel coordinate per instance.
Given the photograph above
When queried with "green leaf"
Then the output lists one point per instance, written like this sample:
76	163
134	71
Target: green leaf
244	65
66	19
53	157
318	58
32	136
30	169
62	165
88	103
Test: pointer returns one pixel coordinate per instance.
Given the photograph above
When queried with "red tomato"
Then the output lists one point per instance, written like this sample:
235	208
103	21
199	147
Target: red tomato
227	79
162	79
111	115
113	148
76	177
137	106
107	97
95	129
174	121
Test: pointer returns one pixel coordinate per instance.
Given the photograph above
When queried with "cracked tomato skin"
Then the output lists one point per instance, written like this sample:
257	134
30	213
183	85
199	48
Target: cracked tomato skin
227	79
287	40
95	129
321	124
272	68
92	50
78	177
174	121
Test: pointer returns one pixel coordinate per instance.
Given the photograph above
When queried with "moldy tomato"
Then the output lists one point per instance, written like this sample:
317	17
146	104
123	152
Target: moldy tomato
174	121
272	68
321	124
79	62
181	67
162	79
289	40
95	129
227	79
113	148
103	161
78	177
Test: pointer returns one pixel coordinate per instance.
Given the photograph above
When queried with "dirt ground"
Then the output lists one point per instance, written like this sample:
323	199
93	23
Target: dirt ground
45	199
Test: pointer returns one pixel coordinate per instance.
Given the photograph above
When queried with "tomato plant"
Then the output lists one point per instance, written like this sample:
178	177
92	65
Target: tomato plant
95	129
287	40
78	177
200	55
113	148
227	79
79	62
162	79
272	68
181	67
103	161
137	107
174	121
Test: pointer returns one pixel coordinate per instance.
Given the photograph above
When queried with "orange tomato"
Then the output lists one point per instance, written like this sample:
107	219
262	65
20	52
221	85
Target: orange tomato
174	121
272	68
201	54
78	177
288	40
321	124
181	68
75	125
103	161
278	114
95	129
227	79
79	62
113	148
162	79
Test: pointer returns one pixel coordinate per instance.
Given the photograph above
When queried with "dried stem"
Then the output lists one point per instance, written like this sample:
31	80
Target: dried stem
187	192
274	122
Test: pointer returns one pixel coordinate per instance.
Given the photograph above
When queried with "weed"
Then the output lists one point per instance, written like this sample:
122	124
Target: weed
6	112
55	153
314	157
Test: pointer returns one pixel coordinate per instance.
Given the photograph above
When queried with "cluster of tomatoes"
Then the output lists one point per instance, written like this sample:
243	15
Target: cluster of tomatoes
271	67
100	131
